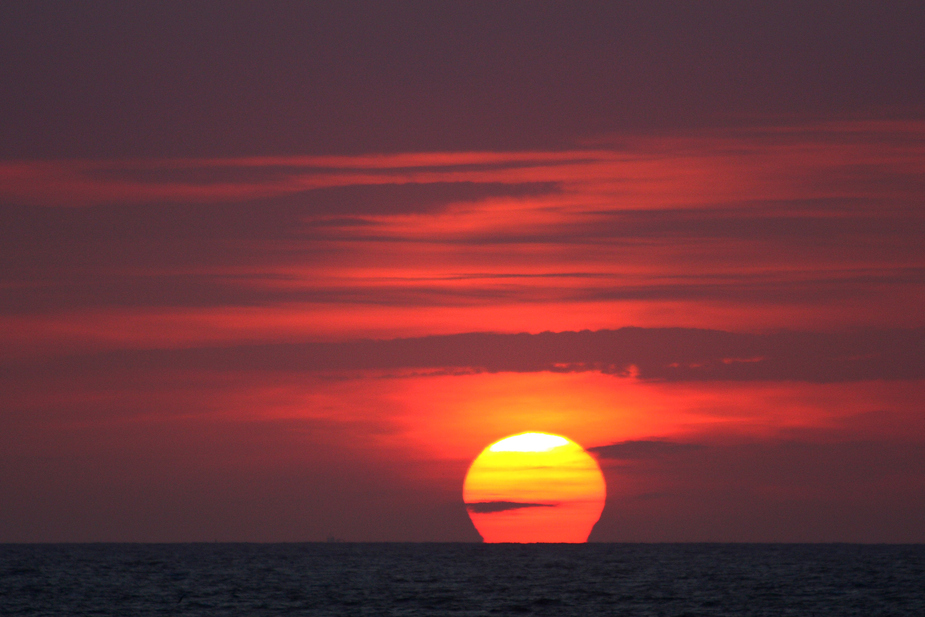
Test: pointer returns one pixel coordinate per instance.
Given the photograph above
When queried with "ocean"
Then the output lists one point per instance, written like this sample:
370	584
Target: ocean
461	579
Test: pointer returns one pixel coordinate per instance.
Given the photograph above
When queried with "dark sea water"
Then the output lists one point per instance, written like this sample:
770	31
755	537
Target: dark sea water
461	579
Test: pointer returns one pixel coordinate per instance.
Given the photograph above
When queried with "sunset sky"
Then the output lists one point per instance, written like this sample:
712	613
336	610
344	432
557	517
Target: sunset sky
280	271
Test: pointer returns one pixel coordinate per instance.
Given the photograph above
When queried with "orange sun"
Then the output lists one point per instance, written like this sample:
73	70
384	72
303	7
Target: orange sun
534	487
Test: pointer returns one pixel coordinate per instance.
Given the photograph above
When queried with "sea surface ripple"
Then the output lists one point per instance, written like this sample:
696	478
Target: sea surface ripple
461	579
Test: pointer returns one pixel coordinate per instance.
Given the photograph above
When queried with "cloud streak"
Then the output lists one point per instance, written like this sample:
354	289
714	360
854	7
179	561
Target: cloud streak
818	219
848	159
489	507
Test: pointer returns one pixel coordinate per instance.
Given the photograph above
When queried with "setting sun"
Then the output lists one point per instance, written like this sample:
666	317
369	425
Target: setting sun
534	487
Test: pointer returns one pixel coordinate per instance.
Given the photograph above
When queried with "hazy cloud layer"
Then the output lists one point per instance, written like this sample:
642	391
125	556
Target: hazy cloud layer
207	80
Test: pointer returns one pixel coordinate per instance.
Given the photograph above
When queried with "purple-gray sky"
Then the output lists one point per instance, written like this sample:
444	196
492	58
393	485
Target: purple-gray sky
279	270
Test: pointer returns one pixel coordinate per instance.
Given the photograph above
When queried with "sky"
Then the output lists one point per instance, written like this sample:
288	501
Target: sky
280	271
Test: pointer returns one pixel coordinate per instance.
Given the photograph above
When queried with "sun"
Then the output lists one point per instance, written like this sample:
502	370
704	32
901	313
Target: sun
534	487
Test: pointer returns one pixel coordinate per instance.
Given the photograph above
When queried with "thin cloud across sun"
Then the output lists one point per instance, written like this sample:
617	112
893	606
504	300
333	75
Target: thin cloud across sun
534	487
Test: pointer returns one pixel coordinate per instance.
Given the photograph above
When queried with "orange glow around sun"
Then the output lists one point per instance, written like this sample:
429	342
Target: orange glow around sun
534	487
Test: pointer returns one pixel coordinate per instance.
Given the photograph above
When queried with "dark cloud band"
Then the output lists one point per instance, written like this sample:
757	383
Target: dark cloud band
662	354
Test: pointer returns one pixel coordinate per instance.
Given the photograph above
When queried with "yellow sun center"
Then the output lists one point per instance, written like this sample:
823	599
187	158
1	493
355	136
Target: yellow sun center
534	487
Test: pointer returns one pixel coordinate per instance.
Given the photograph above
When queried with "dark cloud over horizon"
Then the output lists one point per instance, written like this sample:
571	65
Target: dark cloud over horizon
642	449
